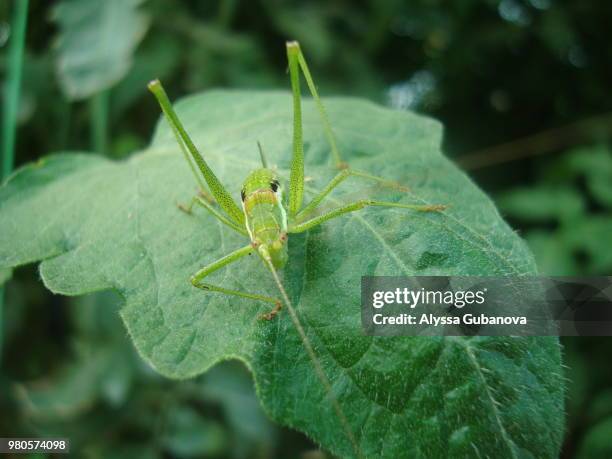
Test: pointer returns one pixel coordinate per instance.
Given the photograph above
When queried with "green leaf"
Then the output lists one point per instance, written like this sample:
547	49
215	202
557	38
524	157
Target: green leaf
542	203
592	237
155	59
596	443
552	254
596	165
601	405
72	391
98	224
231	387
190	435
96	43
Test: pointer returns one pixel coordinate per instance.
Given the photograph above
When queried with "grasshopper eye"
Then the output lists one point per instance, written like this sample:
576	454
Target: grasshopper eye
274	185
242	196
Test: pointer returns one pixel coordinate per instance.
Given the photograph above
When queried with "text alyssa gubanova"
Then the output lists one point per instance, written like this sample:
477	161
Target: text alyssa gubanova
432	319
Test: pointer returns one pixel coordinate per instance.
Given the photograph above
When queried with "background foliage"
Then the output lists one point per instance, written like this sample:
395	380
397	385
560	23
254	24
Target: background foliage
522	87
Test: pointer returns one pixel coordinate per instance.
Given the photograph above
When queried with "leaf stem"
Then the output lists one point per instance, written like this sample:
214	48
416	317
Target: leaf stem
98	106
11	106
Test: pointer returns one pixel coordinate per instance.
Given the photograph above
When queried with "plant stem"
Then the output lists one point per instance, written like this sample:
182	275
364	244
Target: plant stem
596	128
11	106
12	88
99	121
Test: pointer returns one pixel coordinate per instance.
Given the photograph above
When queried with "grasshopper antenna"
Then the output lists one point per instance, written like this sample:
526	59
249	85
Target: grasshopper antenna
264	162
314	359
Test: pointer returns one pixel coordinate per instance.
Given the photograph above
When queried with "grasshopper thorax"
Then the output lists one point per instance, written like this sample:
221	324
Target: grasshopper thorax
265	216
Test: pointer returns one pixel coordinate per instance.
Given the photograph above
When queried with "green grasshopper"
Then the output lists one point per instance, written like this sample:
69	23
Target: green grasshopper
264	216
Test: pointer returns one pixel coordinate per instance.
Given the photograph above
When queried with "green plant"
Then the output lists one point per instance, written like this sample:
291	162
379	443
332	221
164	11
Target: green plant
117	227
11	91
568	214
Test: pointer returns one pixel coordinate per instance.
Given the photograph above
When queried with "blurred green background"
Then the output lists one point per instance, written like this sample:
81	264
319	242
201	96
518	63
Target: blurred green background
521	86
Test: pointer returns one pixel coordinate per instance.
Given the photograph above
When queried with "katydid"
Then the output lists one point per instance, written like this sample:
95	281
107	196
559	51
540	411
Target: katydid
265	217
